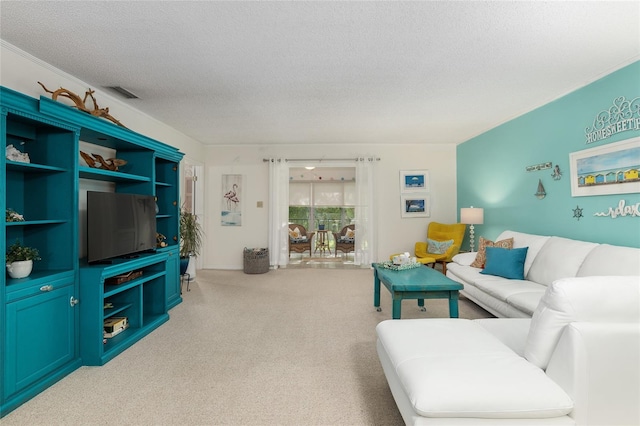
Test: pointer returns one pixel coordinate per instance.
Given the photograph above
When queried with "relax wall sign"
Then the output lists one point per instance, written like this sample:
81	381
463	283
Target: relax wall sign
631	210
622	116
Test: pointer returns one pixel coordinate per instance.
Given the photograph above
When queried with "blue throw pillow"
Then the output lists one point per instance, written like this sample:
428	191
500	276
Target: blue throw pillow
506	263
438	247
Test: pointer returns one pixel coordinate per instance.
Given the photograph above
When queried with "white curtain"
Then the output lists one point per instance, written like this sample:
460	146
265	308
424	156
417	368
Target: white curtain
278	212
365	219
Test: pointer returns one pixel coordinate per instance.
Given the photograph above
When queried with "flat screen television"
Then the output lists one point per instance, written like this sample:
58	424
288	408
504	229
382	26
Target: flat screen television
119	225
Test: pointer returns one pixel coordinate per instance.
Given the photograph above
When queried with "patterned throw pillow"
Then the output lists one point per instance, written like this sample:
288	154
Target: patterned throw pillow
438	247
295	233
481	257
351	233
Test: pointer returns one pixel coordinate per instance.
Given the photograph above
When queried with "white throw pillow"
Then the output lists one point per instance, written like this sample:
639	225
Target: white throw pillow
295	233
464	259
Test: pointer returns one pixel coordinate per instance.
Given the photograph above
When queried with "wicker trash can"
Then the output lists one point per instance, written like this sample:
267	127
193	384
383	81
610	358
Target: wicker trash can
256	260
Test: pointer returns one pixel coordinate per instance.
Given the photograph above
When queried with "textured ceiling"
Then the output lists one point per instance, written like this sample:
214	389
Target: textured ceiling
330	72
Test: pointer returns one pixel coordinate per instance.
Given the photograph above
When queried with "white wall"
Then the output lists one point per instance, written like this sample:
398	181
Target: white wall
21	72
224	244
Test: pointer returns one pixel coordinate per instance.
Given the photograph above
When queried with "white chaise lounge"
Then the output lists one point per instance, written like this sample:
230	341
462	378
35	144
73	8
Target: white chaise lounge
575	362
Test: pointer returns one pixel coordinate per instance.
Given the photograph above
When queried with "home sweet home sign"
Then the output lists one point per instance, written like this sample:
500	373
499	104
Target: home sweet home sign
622	116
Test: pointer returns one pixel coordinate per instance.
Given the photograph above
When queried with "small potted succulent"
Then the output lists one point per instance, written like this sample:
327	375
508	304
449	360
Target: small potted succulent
19	260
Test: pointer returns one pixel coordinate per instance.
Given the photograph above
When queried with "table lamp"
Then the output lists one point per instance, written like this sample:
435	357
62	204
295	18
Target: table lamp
471	216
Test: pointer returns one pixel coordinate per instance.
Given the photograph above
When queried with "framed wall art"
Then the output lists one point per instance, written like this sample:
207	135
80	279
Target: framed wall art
231	211
415	205
414	181
608	169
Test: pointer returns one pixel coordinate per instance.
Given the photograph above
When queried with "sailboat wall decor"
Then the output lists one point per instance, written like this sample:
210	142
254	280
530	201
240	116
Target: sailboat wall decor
541	193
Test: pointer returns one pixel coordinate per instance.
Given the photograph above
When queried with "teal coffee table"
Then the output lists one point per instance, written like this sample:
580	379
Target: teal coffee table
417	283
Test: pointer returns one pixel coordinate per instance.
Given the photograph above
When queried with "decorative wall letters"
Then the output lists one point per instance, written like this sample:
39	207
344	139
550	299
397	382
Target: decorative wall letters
632	210
622	116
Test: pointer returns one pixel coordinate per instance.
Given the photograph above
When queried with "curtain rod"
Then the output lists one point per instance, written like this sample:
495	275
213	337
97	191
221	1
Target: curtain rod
320	160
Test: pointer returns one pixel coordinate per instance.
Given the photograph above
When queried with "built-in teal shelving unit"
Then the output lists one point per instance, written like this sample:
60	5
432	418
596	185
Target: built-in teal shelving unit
52	321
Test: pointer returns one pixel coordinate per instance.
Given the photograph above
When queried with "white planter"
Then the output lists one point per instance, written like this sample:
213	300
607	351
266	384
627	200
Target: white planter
20	269
191	269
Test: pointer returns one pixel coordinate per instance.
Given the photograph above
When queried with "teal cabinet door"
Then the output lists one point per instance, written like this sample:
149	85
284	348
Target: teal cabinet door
40	331
173	279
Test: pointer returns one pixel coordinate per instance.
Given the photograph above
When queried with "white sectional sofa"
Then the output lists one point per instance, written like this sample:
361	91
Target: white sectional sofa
575	362
548	259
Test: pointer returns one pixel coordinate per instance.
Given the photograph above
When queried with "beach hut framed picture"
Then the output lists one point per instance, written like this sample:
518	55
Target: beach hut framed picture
605	170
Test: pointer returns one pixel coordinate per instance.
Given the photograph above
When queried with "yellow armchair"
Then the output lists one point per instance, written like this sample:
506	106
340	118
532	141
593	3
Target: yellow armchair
442	232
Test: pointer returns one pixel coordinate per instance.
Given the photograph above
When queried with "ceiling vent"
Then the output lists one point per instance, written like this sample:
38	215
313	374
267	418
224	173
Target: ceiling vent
123	92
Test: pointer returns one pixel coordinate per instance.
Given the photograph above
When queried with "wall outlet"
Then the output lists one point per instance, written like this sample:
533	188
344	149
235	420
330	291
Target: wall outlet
259	204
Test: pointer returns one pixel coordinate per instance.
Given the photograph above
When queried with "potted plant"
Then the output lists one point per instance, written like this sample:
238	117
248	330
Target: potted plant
190	238
19	260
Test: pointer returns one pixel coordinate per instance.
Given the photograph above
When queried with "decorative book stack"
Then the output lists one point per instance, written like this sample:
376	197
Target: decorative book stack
114	326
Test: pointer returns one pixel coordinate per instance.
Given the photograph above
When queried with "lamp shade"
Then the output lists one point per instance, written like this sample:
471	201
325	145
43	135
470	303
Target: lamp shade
472	216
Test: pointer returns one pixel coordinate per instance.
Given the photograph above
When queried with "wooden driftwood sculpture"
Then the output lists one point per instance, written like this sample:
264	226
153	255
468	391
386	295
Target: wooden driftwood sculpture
98	162
160	240
81	103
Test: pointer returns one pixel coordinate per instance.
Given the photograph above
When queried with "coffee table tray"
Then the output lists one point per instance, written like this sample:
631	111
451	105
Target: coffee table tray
392	266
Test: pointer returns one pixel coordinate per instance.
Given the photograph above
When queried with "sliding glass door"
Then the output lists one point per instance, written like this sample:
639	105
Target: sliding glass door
310	195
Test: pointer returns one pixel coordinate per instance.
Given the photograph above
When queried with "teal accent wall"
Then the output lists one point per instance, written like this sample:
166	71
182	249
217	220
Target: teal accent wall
491	169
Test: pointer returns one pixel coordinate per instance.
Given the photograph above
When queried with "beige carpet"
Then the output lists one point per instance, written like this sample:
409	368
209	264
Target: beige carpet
289	347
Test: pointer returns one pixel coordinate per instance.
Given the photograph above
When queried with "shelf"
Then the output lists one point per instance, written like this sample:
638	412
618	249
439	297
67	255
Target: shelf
38	276
163	216
110	290
36	222
119	339
122	341
32	167
109	175
111	312
163	184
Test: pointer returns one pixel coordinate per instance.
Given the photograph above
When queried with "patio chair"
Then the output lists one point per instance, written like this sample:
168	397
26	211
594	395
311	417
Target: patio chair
299	239
345	239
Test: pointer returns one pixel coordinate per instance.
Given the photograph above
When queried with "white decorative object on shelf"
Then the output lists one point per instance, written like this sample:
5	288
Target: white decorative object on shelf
20	268
14	155
403	259
622	209
13	216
